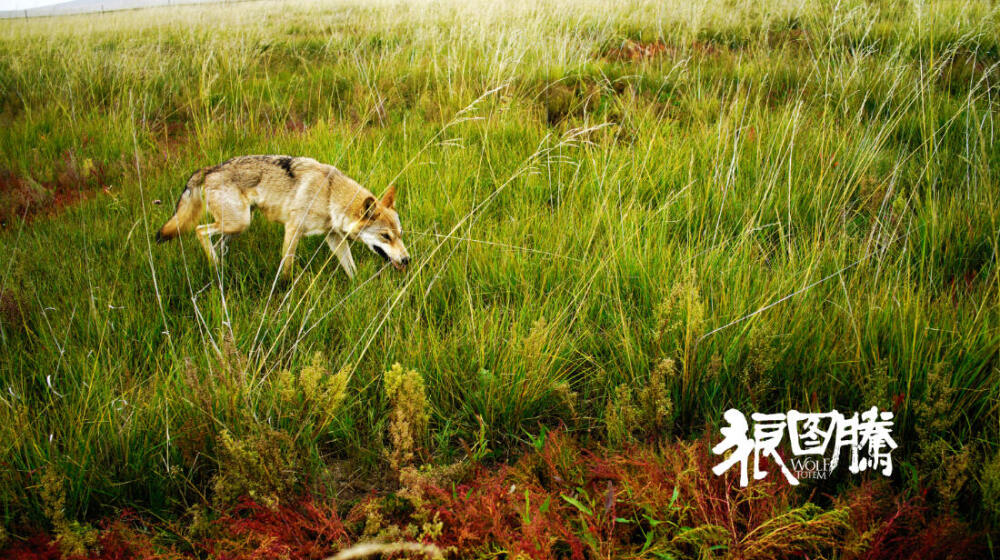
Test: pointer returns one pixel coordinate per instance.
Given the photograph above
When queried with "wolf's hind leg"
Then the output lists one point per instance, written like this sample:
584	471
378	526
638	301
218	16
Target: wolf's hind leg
338	244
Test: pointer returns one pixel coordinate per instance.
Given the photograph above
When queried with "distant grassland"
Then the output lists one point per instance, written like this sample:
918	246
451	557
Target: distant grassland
798	204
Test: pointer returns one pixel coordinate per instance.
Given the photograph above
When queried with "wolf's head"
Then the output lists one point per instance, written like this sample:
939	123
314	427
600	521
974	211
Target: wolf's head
381	231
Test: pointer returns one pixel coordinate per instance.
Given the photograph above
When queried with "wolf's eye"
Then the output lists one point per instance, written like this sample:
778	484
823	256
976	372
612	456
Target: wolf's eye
387	237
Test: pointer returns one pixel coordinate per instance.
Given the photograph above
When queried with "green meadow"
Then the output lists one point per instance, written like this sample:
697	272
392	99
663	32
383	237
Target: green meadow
766	206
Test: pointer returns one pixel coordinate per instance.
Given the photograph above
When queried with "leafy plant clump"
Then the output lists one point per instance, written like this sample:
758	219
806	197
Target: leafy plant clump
72	537
264	467
408	417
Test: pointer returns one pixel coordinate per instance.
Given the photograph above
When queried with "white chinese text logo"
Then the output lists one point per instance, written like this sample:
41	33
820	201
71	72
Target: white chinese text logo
865	439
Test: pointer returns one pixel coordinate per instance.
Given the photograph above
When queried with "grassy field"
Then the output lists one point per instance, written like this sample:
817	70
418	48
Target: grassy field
770	207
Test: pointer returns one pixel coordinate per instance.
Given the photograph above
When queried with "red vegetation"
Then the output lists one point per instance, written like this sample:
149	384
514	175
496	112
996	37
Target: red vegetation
631	50
304	530
26	197
903	528
637	51
296	125
12	307
36	547
562	501
171	137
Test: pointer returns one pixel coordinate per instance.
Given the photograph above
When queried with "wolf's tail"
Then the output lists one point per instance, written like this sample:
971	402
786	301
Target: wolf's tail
190	207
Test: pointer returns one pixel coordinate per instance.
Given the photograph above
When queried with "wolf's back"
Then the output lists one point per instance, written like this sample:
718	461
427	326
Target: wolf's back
189	209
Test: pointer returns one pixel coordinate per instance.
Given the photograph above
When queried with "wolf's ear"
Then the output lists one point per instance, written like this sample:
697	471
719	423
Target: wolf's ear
389	198
369	208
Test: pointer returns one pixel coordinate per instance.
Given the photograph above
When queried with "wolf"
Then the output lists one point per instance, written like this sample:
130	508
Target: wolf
308	197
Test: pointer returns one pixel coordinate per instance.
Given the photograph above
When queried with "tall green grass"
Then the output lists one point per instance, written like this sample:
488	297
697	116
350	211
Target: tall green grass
797	203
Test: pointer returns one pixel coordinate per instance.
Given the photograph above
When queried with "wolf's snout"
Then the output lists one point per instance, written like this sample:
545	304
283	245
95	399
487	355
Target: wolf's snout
401	263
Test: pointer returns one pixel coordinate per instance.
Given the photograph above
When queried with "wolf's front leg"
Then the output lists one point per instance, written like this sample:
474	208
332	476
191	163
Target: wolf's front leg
338	244
292	236
205	233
